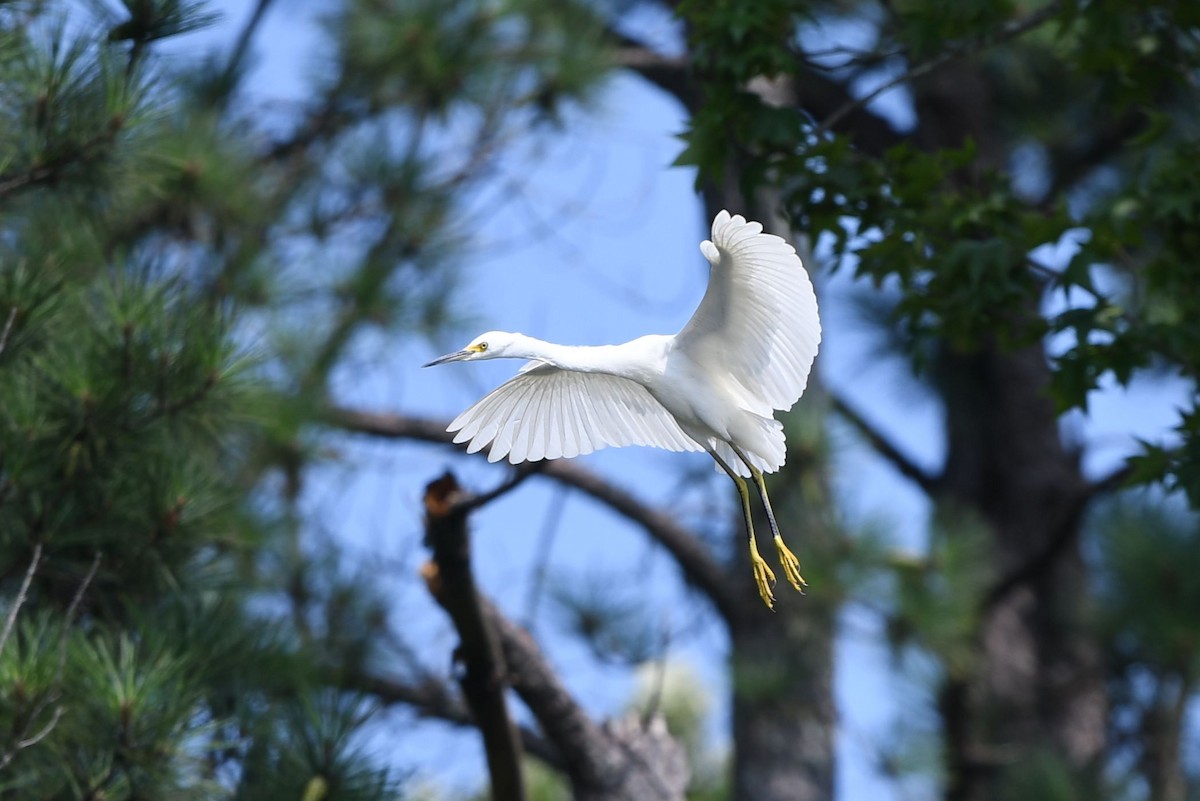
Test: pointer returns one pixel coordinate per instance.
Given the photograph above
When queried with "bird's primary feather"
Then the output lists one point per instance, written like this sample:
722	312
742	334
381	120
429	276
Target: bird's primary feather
547	413
758	322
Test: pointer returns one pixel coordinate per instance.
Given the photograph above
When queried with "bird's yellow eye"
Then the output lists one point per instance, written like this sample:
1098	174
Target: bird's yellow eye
481	347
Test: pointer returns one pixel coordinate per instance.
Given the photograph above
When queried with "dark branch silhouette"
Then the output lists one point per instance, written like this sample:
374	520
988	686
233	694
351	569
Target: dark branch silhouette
431	698
1010	30
698	565
616	761
483	673
885	448
611	762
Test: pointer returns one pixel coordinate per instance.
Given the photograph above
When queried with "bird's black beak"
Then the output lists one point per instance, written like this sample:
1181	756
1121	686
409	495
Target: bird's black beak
450	357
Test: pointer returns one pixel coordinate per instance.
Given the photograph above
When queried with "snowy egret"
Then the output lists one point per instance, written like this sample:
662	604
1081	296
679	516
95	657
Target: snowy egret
714	386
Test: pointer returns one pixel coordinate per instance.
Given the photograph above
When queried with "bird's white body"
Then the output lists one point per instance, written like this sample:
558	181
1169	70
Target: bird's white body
746	352
715	386
709	413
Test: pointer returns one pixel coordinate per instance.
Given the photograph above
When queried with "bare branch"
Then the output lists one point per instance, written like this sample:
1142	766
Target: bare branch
29	742
1112	482
12	317
1072	163
1010	30
1065	532
83	153
672	74
71	612
544	548
698	565
602	762
522	471
452	584
242	46
431	698
885	448
22	739
11	618
822	97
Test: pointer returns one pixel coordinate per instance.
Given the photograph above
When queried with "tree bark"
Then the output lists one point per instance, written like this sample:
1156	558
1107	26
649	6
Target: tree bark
619	760
483	672
1039	682
783	708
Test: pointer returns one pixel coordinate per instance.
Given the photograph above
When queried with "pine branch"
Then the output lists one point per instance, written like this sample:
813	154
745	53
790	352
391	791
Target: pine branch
23	739
11	618
8	325
1008	31
72	611
697	564
452	584
83	153
885	448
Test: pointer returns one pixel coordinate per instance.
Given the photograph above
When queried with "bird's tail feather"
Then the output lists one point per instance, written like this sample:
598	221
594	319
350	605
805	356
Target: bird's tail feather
768	454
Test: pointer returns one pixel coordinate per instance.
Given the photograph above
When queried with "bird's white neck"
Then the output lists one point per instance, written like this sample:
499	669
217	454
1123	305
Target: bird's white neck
622	360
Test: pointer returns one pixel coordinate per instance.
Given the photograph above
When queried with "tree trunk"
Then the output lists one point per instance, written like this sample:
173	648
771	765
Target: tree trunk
1039	683
784	713
783	707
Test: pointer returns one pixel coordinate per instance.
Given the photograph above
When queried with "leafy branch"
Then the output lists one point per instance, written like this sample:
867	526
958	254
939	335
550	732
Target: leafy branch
1010	30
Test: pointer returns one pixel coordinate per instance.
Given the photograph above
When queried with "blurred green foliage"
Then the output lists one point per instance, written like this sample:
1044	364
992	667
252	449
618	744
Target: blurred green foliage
945	224
179	279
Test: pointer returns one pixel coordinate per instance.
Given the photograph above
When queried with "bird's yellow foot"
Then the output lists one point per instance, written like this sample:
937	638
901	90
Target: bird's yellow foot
764	577
791	565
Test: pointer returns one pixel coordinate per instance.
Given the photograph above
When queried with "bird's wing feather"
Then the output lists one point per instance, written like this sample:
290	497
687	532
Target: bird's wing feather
547	413
758	322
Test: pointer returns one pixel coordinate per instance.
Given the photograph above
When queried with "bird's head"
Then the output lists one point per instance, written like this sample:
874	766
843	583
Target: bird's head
492	345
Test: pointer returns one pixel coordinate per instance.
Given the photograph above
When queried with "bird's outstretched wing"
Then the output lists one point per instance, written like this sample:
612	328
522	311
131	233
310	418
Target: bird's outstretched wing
547	413
758	322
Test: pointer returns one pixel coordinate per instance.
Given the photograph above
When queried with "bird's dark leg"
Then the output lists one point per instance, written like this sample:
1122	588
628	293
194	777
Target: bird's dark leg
764	577
791	565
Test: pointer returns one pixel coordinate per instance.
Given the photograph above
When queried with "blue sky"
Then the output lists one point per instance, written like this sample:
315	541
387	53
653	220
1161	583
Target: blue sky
586	237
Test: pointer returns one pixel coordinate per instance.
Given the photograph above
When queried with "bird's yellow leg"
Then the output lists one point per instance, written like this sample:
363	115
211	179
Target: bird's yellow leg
791	565
764	577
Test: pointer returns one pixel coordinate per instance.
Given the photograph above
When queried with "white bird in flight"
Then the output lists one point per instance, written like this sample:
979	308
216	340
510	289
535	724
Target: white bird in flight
715	386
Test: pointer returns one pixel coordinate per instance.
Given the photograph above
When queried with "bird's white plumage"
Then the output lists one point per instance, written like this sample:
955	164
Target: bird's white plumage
746	352
548	413
715	386
757	326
